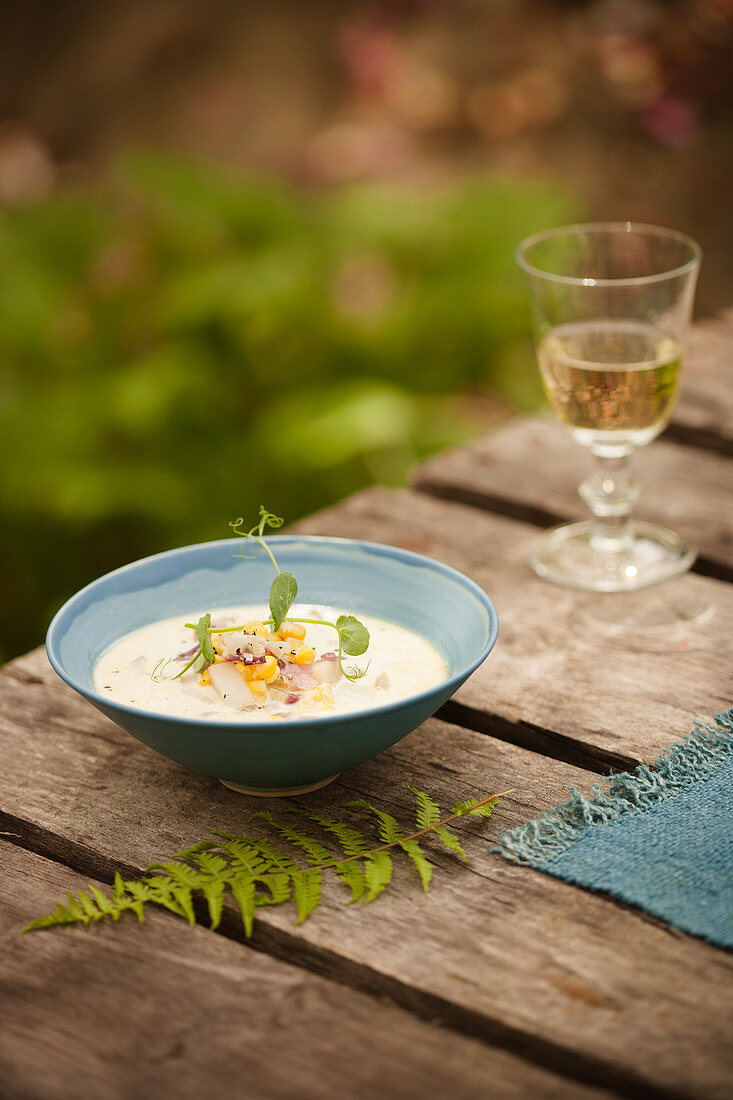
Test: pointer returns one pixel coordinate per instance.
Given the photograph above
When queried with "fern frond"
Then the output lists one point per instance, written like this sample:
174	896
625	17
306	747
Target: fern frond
277	860
104	905
350	839
313	849
214	890
279	886
428	812
444	833
474	807
352	875
391	833
259	874
60	915
388	827
421	861
307	891
377	873
243	888
244	856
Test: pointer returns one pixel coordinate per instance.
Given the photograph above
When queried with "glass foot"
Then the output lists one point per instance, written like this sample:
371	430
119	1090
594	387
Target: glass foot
576	556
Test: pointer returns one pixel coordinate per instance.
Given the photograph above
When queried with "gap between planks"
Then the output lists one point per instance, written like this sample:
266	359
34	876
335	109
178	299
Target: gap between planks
529	470
538	516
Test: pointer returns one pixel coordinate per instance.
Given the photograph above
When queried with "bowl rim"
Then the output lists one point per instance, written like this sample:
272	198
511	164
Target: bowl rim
305	723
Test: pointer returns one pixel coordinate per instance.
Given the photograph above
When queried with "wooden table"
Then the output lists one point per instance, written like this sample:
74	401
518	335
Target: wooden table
500	982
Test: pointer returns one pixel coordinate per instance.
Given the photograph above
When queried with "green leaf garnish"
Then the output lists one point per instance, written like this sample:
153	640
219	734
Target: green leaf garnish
353	634
202	628
283	591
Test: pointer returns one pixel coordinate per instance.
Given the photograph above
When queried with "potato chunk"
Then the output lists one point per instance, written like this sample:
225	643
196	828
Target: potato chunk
228	683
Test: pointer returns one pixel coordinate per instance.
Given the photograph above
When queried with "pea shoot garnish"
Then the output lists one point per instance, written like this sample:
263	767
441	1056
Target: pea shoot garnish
353	636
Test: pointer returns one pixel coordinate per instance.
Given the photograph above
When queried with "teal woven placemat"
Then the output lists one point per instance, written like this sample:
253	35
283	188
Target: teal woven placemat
660	837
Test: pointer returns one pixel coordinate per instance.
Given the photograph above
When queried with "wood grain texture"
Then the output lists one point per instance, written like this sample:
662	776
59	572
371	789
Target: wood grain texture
600	681
530	469
704	414
161	1010
568	978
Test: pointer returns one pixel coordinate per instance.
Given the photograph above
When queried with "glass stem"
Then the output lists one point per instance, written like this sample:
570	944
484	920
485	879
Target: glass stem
611	492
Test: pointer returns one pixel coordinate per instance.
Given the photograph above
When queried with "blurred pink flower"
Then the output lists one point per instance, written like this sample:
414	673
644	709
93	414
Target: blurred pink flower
672	120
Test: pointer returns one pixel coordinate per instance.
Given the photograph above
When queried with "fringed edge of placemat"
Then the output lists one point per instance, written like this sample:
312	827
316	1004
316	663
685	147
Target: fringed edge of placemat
706	748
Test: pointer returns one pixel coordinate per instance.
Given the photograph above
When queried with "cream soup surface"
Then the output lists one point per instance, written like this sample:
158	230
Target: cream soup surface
398	664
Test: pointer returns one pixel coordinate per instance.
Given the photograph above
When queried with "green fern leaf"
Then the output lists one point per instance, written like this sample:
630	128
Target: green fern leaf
243	888
350	839
243	856
258	874
202	847
389	829
307	891
313	849
176	889
76	911
450	841
140	893
60	916
352	875
213	890
279	887
210	864
390	832
471	807
104	905
88	906
277	860
428	812
377	873
418	857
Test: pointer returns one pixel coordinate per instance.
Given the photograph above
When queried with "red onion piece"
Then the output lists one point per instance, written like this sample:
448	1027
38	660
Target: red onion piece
188	654
292	698
329	657
301	677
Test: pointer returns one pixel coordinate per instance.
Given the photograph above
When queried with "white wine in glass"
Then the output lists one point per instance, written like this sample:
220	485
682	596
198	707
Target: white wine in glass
612	382
611	304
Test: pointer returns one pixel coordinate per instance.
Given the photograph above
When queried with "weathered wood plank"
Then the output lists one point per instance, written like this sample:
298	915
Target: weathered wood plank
704	414
123	1011
570	979
599	680
530	469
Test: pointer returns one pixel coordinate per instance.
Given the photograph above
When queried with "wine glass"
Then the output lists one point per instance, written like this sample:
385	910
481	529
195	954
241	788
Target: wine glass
611	304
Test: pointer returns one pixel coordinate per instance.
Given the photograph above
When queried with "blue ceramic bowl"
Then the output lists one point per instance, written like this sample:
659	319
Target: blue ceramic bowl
271	757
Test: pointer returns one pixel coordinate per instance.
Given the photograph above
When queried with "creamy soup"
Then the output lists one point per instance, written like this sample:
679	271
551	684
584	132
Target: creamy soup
259	675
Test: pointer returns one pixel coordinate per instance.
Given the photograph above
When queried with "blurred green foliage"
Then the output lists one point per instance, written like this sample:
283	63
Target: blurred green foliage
181	345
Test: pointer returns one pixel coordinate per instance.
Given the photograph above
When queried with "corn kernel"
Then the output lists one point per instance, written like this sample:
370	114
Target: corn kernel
247	672
259	690
268	670
320	698
205	678
256	627
304	656
217	643
292	630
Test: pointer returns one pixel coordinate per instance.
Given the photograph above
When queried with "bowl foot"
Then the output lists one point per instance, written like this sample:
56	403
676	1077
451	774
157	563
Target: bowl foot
279	792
